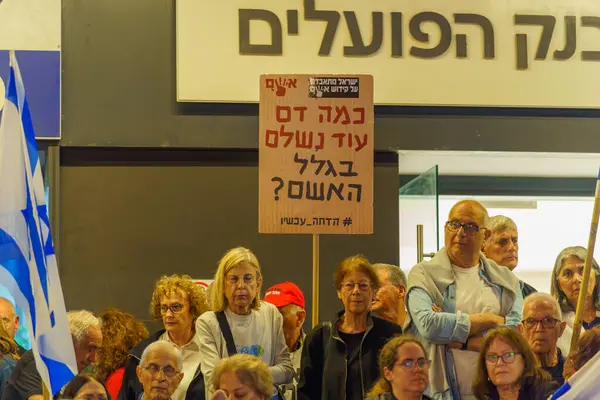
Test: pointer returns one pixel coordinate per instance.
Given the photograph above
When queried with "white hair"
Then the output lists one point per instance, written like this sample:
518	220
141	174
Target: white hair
293	308
166	346
540	296
395	274
80	323
500	223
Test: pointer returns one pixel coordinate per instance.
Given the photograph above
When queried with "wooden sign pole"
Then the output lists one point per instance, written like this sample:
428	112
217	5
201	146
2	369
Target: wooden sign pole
45	392
587	269
315	283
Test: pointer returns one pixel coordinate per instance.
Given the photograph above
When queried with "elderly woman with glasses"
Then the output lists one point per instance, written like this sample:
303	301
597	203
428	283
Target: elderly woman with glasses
240	323
340	358
566	284
177	301
404	371
508	369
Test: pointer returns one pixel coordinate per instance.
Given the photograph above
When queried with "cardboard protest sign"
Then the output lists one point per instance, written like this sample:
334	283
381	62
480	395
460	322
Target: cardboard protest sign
316	154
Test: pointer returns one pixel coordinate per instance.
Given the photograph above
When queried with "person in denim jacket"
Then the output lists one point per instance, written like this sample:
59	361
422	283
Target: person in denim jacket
455	298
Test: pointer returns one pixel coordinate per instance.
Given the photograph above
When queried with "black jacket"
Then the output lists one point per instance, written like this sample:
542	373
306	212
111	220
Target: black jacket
527	289
323	365
531	390
131	387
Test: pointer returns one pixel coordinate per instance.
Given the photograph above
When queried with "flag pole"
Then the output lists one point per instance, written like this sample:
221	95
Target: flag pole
315	285
587	268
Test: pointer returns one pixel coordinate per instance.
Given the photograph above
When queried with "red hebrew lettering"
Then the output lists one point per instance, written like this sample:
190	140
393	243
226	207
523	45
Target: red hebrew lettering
283	114
322	138
361	145
340	137
342	112
322	117
288	135
272	138
361	119
303	143
301	110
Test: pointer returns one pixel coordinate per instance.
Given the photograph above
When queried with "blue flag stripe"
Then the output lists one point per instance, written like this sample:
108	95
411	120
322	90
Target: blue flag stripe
38	251
26	251
13	261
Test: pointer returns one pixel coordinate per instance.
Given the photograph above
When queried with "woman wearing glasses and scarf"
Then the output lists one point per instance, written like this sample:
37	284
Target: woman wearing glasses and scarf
508	369
404	371
178	302
340	358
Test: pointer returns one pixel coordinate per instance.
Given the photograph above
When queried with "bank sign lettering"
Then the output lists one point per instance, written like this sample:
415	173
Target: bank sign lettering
530	53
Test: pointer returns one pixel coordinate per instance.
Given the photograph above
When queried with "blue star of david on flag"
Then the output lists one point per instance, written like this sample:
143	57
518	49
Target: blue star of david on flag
28	267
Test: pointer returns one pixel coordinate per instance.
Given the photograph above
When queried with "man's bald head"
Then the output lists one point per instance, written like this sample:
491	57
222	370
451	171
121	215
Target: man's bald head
474	207
465	232
9	316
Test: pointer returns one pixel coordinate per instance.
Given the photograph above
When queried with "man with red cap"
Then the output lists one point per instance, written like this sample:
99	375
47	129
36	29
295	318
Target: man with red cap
289	299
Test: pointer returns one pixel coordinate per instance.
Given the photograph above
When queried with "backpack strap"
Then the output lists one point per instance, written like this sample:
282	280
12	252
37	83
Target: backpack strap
226	331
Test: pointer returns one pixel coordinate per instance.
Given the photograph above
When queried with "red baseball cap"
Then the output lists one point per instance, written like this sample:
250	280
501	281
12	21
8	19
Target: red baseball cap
283	294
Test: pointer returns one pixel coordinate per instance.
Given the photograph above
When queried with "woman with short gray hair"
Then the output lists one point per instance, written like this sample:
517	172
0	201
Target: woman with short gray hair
567	276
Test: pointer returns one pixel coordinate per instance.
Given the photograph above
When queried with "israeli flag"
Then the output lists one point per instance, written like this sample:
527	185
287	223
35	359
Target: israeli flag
27	262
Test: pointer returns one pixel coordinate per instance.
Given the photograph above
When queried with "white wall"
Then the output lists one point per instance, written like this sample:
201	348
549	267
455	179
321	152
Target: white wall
543	231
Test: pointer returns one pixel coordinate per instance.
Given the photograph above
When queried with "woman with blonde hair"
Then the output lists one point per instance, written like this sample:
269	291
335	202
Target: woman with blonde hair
242	376
340	358
178	302
507	369
120	332
239	322
404	371
9	354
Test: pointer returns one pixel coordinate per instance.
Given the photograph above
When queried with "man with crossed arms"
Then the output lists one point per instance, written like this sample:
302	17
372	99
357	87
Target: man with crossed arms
458	296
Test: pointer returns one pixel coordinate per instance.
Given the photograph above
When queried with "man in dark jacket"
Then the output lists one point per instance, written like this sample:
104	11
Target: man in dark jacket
542	326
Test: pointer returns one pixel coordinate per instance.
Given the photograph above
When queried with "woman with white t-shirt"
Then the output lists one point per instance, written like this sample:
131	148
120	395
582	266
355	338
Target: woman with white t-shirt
566	284
240	322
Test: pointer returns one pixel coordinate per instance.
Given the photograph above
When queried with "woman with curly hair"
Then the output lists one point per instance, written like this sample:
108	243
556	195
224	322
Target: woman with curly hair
404	371
178	302
508	369
9	354
121	333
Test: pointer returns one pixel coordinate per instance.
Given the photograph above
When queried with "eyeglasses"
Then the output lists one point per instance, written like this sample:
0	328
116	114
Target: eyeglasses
469	228
508	358
154	370
413	364
362	285
233	280
175	308
547	323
